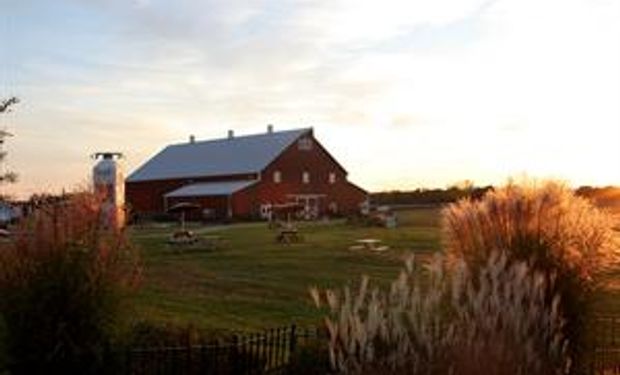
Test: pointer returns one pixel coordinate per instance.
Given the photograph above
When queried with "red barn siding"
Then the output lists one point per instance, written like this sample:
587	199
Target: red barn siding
244	203
319	163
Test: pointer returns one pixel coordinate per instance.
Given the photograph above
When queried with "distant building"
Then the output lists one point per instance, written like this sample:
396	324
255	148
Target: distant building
242	177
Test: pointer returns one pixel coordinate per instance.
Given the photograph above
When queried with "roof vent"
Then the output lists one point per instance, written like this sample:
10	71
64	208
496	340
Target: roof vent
269	128
231	134
107	155
192	139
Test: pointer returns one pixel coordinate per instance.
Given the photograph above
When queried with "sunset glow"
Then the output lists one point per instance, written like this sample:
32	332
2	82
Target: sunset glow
405	94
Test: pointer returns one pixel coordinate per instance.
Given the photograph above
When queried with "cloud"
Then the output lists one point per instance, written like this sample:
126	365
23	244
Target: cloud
446	77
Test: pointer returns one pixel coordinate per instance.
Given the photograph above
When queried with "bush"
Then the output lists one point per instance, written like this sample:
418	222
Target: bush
564	236
498	323
61	285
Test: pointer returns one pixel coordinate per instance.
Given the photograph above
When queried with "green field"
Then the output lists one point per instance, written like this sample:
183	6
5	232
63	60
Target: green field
252	282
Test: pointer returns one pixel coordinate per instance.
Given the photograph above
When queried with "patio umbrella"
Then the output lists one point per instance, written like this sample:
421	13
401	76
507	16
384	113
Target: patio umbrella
287	209
183	207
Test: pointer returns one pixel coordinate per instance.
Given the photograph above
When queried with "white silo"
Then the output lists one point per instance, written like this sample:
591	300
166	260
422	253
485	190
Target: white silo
108	180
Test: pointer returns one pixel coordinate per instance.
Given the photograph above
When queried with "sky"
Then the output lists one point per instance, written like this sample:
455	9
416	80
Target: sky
405	94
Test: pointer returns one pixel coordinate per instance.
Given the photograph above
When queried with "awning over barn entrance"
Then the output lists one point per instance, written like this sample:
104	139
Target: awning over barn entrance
207	189
214	198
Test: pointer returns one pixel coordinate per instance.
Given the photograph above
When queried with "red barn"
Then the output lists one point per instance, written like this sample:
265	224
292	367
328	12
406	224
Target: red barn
241	177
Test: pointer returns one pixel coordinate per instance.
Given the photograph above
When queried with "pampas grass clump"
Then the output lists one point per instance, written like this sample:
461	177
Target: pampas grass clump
545	222
496	323
563	236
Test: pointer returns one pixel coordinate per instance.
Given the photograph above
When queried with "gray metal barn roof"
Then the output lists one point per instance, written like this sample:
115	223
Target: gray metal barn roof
203	189
227	156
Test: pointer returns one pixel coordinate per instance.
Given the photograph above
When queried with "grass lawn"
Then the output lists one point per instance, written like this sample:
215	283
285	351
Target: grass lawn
252	282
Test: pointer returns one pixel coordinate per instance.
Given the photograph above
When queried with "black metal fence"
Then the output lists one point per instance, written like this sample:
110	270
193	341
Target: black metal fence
281	351
605	359
273	351
267	352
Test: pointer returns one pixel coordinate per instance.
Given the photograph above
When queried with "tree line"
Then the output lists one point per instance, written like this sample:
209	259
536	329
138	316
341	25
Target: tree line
424	196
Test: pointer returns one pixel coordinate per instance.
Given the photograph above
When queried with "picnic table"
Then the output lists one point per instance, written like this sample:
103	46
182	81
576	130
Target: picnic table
372	244
288	235
185	237
182	237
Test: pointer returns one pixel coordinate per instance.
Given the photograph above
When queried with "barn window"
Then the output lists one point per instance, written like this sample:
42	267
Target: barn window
277	177
332	178
305	144
305	177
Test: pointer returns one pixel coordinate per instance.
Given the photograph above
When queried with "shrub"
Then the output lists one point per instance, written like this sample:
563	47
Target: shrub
61	285
497	323
564	236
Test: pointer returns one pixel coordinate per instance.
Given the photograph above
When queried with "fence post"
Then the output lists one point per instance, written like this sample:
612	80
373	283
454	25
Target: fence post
189	364
292	348
127	363
234	356
293	339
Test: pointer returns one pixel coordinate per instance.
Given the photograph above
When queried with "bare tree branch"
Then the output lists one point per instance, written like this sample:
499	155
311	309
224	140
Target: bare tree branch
4	107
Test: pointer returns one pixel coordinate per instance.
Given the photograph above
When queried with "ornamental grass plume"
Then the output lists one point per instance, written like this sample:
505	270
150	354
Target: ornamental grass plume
448	322
62	278
563	236
545	221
